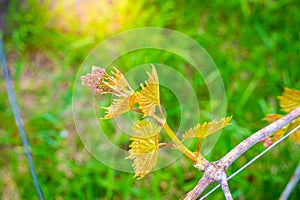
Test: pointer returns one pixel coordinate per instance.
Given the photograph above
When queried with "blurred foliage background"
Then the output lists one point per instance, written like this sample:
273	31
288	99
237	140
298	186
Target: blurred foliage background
255	45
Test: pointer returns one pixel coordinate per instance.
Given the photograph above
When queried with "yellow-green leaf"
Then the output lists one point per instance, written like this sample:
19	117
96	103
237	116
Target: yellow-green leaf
296	135
202	131
289	100
272	117
144	147
119	106
145	128
120	83
148	97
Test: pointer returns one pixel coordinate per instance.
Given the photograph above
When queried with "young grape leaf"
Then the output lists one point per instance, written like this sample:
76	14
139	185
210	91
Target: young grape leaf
202	131
289	100
272	117
144	147
296	135
119	106
148	97
120	83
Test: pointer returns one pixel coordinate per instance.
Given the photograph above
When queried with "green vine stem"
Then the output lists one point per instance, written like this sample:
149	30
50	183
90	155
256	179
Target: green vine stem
181	147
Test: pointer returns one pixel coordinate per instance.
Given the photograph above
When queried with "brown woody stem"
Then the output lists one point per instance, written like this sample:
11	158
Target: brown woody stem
204	182
236	152
225	189
213	170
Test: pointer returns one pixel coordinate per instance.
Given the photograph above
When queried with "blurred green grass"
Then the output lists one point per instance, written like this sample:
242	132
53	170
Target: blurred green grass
254	44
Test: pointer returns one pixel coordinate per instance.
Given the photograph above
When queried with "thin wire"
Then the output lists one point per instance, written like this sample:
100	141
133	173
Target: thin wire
14	106
291	184
252	160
